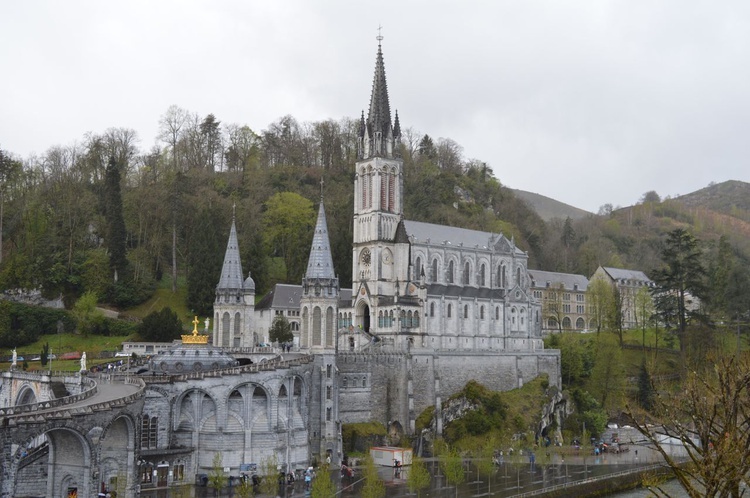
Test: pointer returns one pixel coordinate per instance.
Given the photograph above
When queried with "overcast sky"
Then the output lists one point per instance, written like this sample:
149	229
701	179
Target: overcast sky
588	102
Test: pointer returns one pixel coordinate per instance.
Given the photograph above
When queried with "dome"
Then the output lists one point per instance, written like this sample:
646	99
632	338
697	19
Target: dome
187	358
249	283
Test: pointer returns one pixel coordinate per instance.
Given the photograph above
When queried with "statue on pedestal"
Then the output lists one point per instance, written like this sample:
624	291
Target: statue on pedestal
83	361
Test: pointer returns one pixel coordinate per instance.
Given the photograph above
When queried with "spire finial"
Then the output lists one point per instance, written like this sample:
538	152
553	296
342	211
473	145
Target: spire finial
379	38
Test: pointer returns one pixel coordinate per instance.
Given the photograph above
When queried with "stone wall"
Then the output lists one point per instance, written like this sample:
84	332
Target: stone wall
397	387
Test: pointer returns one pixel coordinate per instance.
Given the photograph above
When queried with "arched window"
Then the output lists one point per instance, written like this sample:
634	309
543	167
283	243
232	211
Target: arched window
481	275
580	323
418	268
566	323
317	319
432	310
409	322
449	276
518	276
552	322
390	319
466	311
434	276
466	273
497	312
402	318
450	309
329	327
380	319
481	312
415	322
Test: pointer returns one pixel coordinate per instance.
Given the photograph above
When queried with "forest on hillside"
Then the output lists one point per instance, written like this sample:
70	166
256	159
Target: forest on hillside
104	216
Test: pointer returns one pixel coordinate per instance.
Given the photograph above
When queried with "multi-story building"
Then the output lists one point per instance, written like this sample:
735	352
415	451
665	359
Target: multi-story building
563	298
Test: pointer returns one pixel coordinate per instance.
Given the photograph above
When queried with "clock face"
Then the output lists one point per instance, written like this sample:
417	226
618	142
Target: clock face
366	257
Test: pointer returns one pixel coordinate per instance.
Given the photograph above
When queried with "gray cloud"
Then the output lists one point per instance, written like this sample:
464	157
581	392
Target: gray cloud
586	102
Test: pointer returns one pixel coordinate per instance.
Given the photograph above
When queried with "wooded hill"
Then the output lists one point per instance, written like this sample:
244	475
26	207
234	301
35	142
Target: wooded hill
106	217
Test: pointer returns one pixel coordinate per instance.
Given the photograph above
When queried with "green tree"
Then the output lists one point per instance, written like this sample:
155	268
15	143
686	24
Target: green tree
160	326
44	356
599	298
116	233
9	169
484	464
322	485
287	230
452	466
418	476
681	275
86	313
269	484
204	260
373	486
644	310
607	382
216	477
281	330
645	388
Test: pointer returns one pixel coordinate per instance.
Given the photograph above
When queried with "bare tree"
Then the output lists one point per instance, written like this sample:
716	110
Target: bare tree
170	129
710	419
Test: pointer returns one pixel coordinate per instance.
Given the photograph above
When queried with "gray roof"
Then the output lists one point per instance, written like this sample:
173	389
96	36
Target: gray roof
320	264
288	296
421	232
540	279
231	271
621	274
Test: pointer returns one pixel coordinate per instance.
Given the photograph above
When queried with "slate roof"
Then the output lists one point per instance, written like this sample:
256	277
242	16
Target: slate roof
540	279
231	271
621	274
421	232
288	296
320	264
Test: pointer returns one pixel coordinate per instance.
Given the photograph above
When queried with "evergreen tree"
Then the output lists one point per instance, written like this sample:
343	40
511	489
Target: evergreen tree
116	234
204	261
645	388
160	326
681	275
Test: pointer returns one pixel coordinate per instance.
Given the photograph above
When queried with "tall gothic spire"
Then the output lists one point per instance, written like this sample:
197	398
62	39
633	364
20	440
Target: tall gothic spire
378	134
231	271
320	264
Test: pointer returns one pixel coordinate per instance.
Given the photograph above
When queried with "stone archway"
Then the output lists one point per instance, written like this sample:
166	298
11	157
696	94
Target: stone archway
117	454
363	316
26	396
70	457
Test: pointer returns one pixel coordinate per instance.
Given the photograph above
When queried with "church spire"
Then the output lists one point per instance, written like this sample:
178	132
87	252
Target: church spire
379	133
320	264
231	271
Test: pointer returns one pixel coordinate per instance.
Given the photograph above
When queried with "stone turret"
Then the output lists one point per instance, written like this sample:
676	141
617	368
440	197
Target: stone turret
234	306
320	291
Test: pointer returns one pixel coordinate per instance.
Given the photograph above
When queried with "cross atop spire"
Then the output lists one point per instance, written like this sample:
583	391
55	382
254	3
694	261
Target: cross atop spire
379	38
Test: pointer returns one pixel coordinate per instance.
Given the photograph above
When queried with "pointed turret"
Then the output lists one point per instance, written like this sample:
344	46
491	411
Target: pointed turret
320	264
231	272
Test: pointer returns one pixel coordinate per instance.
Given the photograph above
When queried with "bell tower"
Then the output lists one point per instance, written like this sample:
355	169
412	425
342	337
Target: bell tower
380	252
